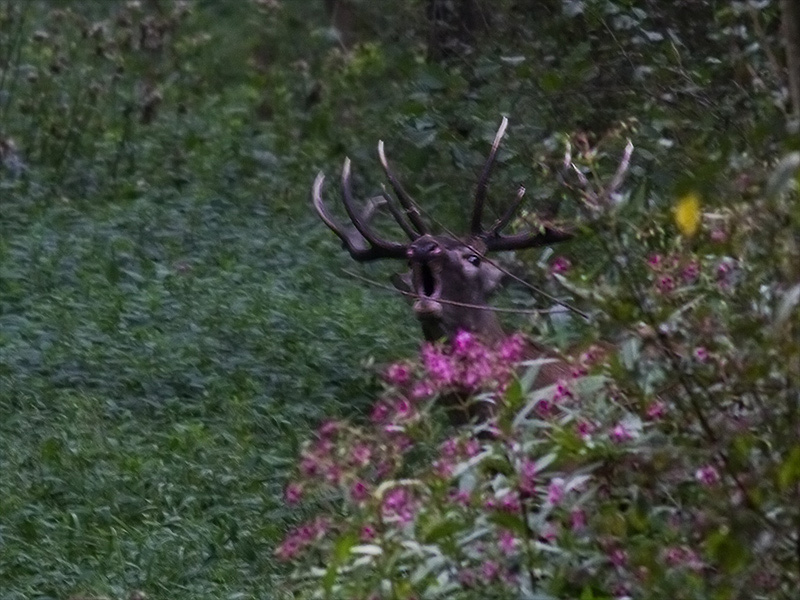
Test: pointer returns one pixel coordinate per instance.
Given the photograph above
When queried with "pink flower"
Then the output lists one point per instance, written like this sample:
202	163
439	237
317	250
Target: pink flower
656	410
402	409
701	354
707	475
457	497
618	558
367	533
527	477
398	374
438	365
359	491
360	455
293	493
560	265
467	578
328	428
489	570
512	348
472	447
555	491
718	236
422	390
397	502
577	519
584	429
507	542
620	434
665	284
310	466
654	261
379	412
464	342
691	271
289	549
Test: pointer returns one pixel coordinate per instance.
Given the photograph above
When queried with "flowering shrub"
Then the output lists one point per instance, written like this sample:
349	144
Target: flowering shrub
667	469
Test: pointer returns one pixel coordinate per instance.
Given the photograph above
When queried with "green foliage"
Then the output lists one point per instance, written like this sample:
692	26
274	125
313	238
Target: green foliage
173	318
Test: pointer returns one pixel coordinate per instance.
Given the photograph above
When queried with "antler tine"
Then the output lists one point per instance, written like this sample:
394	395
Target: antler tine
355	244
483	182
398	216
407	202
544	237
503	221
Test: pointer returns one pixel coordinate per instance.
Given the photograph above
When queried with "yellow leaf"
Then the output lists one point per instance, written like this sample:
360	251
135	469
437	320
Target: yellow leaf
687	214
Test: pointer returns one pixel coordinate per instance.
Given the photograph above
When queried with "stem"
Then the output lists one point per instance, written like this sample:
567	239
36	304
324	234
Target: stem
790	22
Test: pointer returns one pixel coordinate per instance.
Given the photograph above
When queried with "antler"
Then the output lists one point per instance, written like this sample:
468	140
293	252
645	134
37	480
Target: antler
362	244
493	239
412	211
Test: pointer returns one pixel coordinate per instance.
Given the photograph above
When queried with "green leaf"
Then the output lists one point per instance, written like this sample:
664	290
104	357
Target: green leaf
789	471
783	175
443	529
510	522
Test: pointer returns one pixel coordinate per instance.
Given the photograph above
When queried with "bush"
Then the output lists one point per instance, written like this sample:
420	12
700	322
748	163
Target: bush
667	468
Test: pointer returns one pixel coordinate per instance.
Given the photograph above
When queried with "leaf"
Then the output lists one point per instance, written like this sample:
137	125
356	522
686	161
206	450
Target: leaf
789	471
341	551
687	214
510	522
443	529
783	175
787	305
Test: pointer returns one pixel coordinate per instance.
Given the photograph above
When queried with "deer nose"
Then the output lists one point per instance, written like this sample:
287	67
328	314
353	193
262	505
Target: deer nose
423	249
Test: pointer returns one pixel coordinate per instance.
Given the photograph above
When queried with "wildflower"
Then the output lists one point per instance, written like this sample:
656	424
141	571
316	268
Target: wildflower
527	475
398	374
489	570
584	429
360	455
577	519
310	466
288	549
620	434
701	354
560	265
511	348
459	497
665	284
472	447
359	491
618	557
379	412
293	493
438	365
422	390
691	271
656	410
402	409
464	342
718	236
367	533
507	542
654	261
687	214
707	475
467	578
328	428
555	491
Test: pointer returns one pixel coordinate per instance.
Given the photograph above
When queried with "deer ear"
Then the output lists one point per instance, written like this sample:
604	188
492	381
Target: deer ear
492	278
402	281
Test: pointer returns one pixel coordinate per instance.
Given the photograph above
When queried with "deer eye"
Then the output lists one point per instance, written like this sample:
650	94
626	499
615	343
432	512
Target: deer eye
474	260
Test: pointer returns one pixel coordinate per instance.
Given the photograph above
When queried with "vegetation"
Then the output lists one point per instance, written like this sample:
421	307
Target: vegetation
174	321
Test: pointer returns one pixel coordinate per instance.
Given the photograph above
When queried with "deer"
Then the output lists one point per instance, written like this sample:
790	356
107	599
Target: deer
450	278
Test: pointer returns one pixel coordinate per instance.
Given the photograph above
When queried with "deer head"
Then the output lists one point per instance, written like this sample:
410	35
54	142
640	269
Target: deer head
450	278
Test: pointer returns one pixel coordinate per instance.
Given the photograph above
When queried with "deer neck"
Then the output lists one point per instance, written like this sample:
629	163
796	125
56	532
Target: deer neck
483	323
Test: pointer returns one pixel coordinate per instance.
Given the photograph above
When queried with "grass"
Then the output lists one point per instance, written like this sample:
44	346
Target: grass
160	360
173	321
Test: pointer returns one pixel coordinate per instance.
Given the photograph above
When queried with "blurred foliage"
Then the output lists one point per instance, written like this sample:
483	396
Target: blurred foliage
172	316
